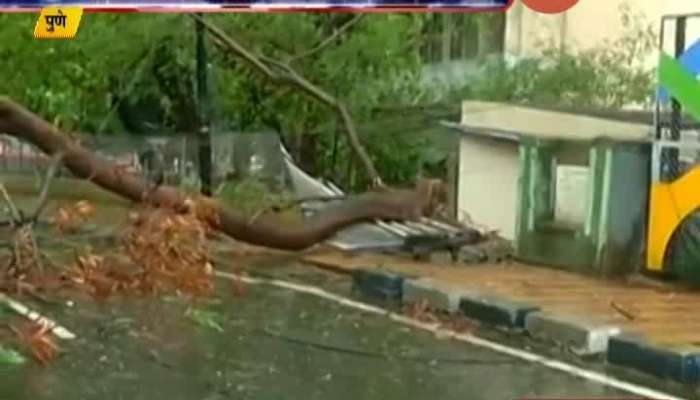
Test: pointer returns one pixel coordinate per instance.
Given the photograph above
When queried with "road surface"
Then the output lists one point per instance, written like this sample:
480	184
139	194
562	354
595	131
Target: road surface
273	344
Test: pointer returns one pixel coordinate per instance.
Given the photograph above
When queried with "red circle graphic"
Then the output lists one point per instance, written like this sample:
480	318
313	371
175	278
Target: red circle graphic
550	6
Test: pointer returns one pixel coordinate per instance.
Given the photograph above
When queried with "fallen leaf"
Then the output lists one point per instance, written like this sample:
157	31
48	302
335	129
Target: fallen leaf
207	319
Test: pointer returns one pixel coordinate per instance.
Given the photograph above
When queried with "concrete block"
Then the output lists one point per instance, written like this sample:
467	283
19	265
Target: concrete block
495	310
379	284
679	363
440	296
583	337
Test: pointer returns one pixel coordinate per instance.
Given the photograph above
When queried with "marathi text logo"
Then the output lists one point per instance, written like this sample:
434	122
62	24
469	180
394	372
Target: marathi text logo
58	23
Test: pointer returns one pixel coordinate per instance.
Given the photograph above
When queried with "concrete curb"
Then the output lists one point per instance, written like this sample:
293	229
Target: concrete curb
496	310
484	308
379	284
581	336
681	364
584	337
439	296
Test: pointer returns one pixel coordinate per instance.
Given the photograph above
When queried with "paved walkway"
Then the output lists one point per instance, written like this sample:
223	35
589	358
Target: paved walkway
665	316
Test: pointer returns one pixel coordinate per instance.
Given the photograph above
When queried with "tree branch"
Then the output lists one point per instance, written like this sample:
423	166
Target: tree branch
281	73
19	122
327	41
15	214
55	163
135	76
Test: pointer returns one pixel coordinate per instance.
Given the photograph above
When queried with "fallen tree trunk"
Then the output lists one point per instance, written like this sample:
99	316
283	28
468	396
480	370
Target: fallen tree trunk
21	123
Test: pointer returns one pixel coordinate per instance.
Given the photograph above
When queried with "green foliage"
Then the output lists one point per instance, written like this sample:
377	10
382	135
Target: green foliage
127	72
10	356
354	67
403	144
612	74
250	195
73	82
206	319
135	73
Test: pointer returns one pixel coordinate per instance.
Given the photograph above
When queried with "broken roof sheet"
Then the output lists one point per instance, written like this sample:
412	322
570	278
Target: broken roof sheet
368	236
513	122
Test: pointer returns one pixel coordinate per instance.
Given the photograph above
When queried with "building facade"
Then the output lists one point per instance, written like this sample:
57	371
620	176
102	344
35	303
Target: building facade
590	24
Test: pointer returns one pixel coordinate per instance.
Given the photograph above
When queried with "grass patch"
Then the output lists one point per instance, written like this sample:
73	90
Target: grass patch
25	188
68	189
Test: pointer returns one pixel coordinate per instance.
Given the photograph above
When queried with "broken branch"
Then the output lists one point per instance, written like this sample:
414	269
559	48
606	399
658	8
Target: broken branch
282	73
54	164
15	215
629	315
392	204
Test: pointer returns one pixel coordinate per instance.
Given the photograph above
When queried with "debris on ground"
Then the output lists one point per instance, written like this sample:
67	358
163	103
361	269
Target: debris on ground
623	310
160	251
205	318
36	337
434	236
69	218
164	246
423	311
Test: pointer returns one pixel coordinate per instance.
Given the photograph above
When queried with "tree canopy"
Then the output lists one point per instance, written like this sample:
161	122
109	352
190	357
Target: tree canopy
135	74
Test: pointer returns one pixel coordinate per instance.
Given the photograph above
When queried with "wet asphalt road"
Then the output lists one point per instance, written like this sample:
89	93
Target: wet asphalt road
275	344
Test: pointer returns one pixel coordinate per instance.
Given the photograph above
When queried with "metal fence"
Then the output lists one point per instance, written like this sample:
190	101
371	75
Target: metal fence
234	155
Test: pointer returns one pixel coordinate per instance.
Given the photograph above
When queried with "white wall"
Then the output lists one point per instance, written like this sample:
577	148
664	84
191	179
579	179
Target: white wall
488	183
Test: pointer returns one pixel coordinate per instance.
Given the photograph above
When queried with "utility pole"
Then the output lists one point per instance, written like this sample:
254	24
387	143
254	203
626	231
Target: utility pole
204	134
